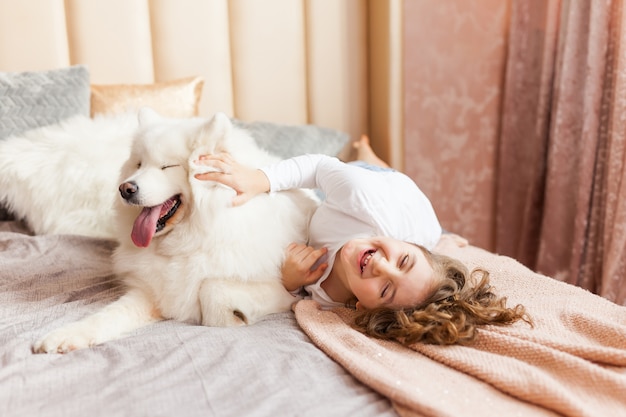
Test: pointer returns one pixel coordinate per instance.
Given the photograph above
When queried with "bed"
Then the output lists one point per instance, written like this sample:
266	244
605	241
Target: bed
307	362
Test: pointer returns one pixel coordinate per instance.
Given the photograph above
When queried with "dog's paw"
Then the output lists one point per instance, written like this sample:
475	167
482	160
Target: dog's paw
223	316
219	301
64	340
231	303
227	311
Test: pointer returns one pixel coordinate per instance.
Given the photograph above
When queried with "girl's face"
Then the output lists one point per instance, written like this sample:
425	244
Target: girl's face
382	271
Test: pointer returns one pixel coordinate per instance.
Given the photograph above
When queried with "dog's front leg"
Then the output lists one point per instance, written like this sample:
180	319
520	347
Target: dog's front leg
133	310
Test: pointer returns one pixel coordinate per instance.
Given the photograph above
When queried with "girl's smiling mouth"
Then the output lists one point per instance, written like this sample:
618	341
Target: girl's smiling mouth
365	257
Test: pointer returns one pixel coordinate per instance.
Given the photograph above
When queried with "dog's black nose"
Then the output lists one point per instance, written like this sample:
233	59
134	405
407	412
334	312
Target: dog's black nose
128	189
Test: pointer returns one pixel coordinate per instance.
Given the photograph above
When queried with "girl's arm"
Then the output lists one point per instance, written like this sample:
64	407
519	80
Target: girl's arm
246	181
297	172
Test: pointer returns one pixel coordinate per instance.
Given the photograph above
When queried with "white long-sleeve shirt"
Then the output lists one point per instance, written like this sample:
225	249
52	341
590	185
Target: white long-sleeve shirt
359	203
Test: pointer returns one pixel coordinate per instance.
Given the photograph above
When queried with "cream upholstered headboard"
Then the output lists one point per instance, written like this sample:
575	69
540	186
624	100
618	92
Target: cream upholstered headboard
288	61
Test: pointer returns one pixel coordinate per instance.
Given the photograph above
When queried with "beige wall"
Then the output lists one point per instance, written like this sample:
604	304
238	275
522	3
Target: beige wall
287	61
386	85
454	60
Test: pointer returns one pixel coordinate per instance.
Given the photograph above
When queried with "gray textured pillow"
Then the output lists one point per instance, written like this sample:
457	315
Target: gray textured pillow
286	141
39	98
33	99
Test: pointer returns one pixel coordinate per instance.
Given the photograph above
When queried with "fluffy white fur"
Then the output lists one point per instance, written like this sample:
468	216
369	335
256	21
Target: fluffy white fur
210	263
62	179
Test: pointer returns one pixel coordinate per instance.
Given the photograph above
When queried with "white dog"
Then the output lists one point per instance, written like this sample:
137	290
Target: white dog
185	253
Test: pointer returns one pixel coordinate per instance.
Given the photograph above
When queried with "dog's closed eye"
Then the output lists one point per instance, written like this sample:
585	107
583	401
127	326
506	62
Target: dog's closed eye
169	166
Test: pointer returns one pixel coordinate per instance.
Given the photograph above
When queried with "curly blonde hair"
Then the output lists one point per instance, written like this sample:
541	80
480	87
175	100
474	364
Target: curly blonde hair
450	315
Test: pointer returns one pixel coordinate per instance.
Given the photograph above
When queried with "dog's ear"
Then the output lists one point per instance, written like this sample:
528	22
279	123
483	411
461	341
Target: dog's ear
147	115
214	131
220	125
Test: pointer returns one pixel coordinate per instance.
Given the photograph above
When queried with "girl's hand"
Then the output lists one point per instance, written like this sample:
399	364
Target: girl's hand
246	181
296	270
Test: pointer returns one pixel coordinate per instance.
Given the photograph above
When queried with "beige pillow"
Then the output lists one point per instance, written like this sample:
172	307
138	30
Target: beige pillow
178	98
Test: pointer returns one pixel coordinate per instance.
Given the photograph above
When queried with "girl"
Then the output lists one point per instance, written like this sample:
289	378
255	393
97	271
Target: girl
371	247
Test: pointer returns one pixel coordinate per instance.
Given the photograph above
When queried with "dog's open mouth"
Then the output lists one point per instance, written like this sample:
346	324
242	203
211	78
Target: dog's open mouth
152	220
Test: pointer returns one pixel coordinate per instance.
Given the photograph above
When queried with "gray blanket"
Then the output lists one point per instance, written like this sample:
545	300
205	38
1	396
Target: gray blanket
166	369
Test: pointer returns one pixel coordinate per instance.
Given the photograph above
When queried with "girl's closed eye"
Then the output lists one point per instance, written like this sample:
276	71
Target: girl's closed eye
403	261
385	290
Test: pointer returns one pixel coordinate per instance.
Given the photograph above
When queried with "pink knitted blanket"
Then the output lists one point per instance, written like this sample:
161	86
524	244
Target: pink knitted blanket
572	363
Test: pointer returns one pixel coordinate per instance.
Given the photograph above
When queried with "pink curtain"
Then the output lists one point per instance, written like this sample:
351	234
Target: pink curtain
561	188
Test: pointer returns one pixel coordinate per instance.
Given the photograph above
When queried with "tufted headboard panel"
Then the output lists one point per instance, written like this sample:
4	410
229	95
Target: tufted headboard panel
289	61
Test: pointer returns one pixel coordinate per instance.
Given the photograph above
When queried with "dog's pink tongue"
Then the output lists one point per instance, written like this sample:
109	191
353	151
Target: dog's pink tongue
145	226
